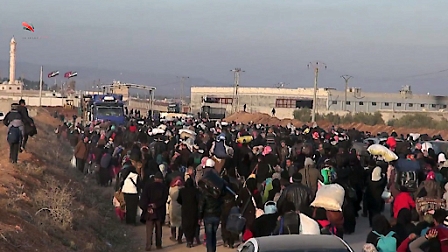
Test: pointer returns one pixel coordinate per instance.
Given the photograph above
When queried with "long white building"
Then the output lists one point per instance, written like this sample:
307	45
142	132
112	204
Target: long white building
286	100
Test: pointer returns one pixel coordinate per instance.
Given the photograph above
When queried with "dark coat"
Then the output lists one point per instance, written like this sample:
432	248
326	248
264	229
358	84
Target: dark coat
243	197
155	193
264	225
189	199
374	190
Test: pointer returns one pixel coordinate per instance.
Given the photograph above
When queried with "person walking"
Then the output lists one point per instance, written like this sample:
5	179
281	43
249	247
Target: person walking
81	153
153	204
13	120
130	188
29	128
175	210
210	210
188	199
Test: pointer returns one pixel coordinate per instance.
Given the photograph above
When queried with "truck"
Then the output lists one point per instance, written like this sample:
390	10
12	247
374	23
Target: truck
212	114
174	108
105	107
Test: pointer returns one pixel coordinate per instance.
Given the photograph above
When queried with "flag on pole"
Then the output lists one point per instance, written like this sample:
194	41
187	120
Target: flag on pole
53	74
69	75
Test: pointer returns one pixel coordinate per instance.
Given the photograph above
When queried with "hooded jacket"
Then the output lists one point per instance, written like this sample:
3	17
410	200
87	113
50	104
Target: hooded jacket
310	175
298	194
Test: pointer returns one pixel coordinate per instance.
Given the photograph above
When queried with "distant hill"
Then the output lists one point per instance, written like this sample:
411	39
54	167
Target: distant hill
167	85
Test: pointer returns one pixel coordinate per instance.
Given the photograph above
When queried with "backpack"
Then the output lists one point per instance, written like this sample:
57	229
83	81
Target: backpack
386	243
14	135
408	179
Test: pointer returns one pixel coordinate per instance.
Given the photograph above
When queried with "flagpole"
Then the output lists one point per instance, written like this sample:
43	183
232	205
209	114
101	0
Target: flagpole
40	86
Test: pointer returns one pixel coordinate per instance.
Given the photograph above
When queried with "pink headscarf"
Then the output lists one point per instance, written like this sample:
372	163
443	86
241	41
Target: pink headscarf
431	176
203	161
266	150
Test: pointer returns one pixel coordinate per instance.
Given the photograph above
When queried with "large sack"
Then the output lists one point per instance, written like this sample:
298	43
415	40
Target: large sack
186	133
380	150
211	184
244	139
308	226
330	197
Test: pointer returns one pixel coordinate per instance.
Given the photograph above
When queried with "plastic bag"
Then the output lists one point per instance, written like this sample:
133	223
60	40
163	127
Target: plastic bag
73	162
330	197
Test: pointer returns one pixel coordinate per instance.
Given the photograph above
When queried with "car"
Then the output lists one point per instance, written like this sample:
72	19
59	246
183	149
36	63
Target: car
2	116
295	243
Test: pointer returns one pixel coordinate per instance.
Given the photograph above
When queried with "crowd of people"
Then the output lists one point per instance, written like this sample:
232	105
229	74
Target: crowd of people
272	175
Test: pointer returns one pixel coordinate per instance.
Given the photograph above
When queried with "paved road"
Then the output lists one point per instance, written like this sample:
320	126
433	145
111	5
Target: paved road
355	240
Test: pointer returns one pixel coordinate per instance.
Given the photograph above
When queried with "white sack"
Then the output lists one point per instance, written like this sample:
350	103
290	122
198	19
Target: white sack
380	150
330	197
73	162
308	226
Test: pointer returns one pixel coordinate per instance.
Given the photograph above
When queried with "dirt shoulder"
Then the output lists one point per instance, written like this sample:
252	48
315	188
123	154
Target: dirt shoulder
50	207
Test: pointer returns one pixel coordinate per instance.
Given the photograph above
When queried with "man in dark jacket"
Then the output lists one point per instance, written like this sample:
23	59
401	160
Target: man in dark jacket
153	204
210	210
13	120
27	121
296	193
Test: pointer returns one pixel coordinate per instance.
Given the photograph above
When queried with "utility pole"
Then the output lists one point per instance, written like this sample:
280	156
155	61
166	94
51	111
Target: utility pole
41	85
236	85
182	84
346	78
316	66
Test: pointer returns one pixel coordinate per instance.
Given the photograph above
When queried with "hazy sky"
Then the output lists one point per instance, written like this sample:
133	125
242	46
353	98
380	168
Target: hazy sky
382	43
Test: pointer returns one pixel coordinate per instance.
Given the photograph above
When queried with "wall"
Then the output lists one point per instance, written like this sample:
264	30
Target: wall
5	105
257	99
389	115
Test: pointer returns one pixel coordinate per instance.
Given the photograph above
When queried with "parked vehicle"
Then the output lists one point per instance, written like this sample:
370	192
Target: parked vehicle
2	116
296	243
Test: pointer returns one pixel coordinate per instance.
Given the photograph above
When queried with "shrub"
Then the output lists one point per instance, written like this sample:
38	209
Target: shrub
418	120
304	115
55	204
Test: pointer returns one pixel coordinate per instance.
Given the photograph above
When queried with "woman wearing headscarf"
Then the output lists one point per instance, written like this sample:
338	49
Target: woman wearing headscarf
289	221
381	226
343	179
429	188
265	224
229	201
189	200
175	209
276	189
374	190
250	194
404	226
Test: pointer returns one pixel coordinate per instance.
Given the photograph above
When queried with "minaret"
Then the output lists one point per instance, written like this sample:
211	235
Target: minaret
12	61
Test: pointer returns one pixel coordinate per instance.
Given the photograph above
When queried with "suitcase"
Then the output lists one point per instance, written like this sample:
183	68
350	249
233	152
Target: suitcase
212	184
